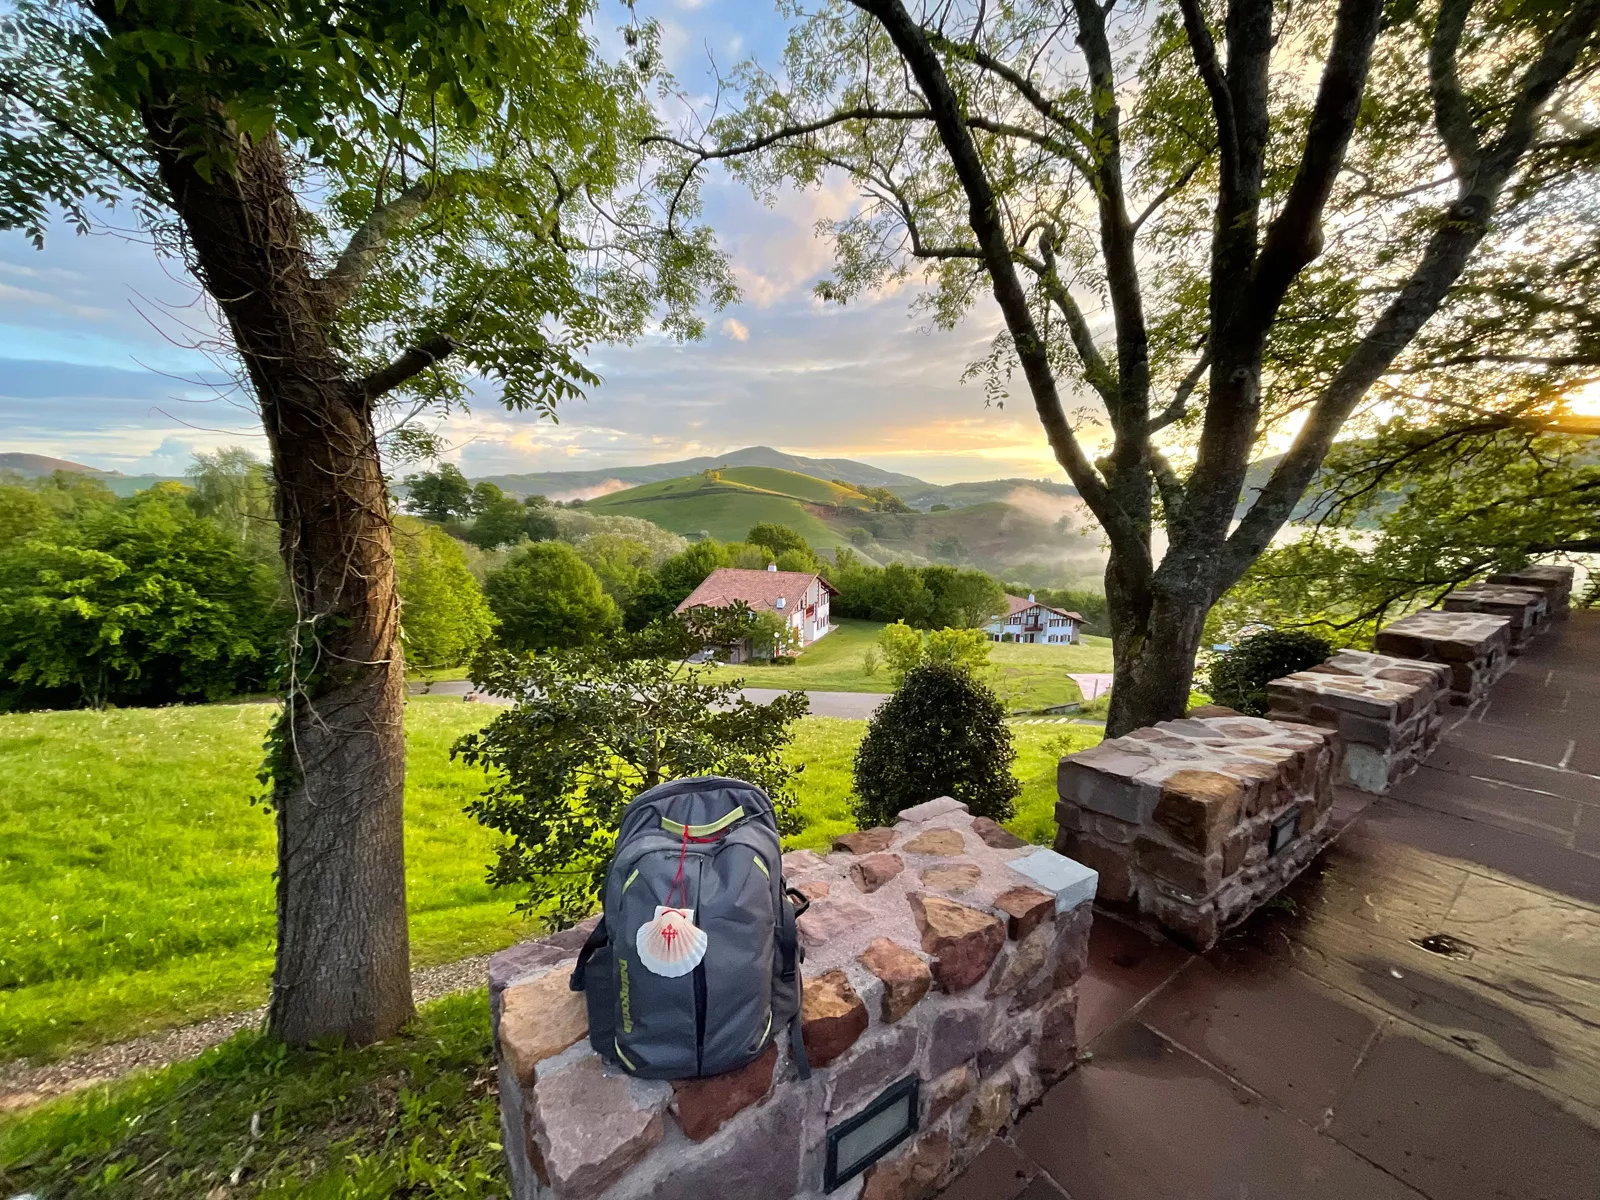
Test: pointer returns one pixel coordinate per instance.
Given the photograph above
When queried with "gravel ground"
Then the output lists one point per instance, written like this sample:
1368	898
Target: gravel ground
23	1083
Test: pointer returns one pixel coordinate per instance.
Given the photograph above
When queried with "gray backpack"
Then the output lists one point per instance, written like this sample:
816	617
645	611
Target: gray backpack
707	847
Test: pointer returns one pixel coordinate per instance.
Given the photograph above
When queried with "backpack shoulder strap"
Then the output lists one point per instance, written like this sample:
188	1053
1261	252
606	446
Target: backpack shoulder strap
597	937
790	955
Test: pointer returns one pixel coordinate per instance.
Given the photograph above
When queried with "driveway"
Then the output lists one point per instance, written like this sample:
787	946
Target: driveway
856	706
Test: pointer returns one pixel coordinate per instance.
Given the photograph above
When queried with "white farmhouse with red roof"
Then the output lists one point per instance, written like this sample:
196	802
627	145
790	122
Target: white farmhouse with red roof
799	596
1030	621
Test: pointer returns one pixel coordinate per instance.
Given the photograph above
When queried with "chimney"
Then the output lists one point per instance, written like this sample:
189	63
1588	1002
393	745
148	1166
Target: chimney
772	566
1030	598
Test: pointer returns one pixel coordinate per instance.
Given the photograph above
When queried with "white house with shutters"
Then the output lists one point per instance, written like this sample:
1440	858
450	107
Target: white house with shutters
1030	621
799	597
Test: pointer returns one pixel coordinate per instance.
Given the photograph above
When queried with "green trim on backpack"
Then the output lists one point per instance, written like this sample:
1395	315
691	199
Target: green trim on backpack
764	869
700	831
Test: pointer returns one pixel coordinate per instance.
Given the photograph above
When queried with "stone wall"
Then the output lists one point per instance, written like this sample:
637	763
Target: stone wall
1554	581
1474	646
1388	712
942	948
1527	610
1179	819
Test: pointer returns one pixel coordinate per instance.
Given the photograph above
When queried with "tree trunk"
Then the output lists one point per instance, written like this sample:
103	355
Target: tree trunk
1155	634
338	753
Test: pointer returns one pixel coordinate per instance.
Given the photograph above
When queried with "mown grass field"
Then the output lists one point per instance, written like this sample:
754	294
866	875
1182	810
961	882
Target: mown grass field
136	877
1026	677
414	1116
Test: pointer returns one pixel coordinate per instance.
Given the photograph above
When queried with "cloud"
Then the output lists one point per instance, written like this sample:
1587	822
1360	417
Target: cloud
737	330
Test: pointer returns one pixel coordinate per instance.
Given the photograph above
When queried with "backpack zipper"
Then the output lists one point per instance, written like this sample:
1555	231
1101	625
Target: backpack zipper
700	1019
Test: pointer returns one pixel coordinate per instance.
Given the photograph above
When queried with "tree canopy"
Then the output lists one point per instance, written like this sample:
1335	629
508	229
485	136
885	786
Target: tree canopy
138	601
1207	228
547	596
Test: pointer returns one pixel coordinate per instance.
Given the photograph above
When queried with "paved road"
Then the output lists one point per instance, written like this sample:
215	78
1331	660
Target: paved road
852	705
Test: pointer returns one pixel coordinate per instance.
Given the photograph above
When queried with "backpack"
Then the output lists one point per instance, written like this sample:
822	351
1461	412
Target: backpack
707	847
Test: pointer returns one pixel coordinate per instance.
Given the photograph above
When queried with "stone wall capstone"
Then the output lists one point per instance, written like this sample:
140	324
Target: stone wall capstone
1526	609
1475	646
957	962
1388	712
1553	579
1192	824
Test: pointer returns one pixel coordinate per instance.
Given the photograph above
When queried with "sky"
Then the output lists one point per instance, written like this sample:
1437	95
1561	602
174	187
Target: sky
100	358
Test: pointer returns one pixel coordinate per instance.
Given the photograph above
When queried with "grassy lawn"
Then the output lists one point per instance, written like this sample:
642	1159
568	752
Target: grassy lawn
1027	677
136	878
115	810
827	745
414	1116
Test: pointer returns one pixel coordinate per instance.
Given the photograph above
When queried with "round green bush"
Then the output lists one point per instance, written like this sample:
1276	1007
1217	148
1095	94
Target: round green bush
942	733
1239	676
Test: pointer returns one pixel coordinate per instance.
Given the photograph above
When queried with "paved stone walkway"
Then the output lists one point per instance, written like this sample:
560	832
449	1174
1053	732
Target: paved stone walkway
1417	1017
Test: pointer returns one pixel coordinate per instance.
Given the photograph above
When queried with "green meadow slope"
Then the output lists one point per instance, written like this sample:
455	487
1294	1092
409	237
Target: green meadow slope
1016	533
727	503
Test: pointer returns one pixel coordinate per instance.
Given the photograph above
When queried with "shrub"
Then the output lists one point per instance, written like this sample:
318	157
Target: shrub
902	649
905	649
968	648
1239	676
546	596
592	729
871	661
943	733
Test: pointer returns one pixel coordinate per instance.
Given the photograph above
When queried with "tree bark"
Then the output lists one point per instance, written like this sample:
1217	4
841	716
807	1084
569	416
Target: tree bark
338	756
1154	639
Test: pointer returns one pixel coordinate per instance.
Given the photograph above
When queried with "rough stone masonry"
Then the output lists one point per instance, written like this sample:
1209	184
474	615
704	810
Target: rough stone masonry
1476	647
943	948
1388	712
1192	824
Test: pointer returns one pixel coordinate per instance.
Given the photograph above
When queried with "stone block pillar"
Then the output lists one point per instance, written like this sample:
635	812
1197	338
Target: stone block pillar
1526	609
1388	712
943	948
1552	579
1194	823
1475	646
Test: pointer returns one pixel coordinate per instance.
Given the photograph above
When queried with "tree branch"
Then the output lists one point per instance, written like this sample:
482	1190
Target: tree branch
149	185
983	217
1445	256
409	365
1180	396
1451	116
1206	65
1295	237
339	285
1097	373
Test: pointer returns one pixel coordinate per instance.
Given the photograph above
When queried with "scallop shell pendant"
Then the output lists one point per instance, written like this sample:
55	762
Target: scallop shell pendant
671	944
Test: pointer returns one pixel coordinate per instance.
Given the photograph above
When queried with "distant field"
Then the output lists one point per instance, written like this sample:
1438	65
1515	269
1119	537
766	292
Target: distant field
1027	677
136	878
728	506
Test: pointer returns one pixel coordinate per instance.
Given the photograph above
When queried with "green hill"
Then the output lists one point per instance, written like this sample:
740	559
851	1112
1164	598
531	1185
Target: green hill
726	503
1018	537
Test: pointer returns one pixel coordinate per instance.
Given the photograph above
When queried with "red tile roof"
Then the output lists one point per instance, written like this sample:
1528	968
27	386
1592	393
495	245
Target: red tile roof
759	589
1016	604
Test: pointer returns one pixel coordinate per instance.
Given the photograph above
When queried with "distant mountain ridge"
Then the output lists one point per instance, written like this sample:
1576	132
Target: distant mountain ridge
33	466
553	483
